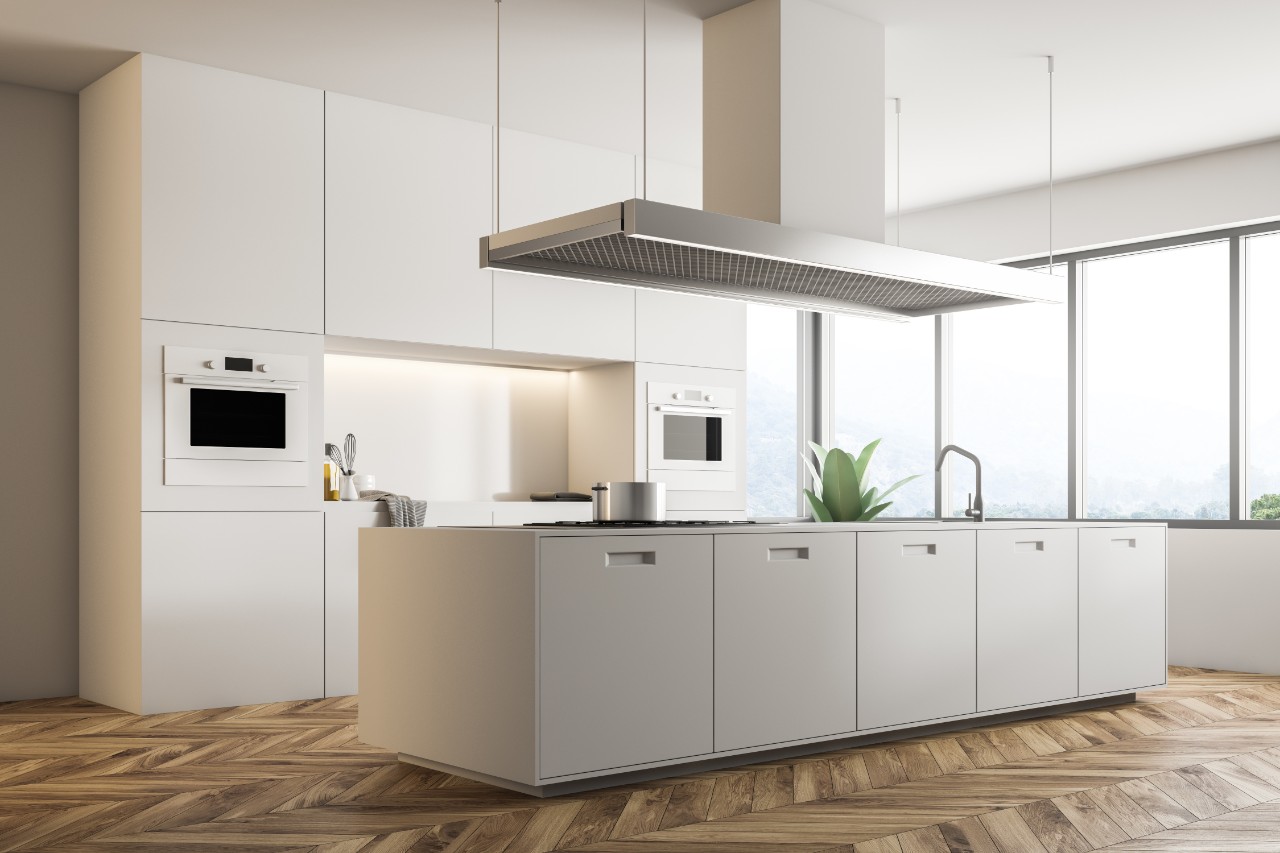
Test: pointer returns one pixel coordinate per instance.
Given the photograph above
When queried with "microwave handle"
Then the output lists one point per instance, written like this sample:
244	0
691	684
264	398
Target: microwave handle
695	410
259	384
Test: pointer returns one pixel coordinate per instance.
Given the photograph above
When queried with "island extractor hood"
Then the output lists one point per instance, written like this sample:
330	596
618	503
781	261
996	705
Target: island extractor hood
664	247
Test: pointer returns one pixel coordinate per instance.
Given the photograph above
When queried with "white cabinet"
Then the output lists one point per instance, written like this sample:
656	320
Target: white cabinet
232	198
625	651
232	608
1122	608
342	523
785	637
677	328
542	178
1027	617
408	195
916	626
560	317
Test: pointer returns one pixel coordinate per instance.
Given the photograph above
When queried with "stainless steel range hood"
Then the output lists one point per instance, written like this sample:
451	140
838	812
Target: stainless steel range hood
664	247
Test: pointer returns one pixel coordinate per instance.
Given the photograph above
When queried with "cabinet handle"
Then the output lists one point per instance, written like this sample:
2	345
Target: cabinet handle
780	554
631	558
919	550
1035	545
1124	543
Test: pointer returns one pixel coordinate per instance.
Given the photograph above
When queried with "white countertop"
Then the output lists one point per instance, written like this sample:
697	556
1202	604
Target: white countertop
815	527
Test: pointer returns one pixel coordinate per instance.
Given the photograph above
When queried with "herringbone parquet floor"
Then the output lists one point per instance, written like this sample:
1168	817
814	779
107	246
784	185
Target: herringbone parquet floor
1192	767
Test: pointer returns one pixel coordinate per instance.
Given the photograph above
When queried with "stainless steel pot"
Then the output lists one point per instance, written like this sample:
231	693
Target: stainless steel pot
629	502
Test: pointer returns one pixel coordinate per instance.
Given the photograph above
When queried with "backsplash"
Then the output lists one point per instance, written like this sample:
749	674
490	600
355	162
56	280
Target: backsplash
450	432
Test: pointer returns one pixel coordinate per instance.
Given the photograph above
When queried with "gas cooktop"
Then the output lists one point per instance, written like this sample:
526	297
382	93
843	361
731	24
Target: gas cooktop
698	523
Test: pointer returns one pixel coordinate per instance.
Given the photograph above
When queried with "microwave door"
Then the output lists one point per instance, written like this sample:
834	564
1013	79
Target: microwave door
213	418
691	438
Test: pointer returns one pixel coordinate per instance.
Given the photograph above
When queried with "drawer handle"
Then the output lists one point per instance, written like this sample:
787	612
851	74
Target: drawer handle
777	555
1124	543
631	558
919	550
1034	545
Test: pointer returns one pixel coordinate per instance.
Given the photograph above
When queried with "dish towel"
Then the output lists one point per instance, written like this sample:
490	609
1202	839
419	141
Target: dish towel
405	511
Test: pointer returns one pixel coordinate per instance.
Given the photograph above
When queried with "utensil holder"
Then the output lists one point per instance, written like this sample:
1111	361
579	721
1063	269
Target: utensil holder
348	491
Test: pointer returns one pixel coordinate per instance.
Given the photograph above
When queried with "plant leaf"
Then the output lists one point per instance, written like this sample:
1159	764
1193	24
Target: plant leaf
813	472
898	485
874	511
869	497
820	511
864	459
820	452
840	491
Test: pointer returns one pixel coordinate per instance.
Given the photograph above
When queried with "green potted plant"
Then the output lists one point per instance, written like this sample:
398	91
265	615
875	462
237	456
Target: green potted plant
840	491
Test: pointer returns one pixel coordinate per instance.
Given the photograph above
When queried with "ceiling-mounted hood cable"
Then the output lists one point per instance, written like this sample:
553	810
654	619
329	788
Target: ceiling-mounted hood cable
497	117
1050	58
644	97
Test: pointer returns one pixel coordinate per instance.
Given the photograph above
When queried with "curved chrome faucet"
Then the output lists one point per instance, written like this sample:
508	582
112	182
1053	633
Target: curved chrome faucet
975	497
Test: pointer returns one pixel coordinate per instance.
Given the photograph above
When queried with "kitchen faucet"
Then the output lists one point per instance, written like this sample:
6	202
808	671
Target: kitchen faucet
975	504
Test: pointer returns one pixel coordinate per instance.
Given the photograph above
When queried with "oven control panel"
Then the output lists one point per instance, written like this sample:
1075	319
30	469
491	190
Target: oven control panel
195	361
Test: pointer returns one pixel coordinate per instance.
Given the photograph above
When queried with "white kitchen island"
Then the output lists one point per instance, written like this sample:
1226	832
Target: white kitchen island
550	660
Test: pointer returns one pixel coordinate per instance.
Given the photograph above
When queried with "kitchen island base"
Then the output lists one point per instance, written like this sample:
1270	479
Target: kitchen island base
549	661
757	756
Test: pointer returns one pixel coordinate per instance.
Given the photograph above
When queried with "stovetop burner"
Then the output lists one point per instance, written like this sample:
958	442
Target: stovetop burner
697	523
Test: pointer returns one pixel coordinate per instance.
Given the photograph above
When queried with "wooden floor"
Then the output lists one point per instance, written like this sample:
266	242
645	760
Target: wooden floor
1193	767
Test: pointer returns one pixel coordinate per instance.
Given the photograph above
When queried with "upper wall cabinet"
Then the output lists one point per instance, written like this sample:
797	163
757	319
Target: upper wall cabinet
699	331
408	195
232	197
542	178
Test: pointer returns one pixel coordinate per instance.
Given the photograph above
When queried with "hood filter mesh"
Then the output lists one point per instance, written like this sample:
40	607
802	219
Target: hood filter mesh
616	252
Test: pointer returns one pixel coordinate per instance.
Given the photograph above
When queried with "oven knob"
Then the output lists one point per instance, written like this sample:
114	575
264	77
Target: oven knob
264	368
211	365
675	396
709	398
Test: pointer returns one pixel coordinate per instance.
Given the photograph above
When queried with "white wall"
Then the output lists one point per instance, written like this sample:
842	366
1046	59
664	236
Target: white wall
38	346
1224	586
1191	194
450	432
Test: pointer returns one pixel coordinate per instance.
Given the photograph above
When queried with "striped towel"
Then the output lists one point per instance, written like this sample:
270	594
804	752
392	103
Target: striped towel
405	511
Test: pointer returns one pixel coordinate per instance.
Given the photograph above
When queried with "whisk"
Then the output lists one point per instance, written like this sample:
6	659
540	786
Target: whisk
351	453
335	456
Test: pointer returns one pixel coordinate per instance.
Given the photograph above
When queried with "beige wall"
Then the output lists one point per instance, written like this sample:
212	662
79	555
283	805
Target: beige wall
38	432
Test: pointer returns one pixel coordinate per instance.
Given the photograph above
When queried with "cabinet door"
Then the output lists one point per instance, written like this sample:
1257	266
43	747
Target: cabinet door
342	523
408	195
1122	608
786	636
916	626
677	328
232	608
625	655
232	199
1027	652
543	178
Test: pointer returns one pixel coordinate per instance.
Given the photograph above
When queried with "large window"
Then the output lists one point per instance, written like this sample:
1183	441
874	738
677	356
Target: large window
882	387
1157	417
1009	406
773	488
1262	280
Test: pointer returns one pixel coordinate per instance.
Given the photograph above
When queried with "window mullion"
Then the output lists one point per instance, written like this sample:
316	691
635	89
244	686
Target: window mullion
1239	498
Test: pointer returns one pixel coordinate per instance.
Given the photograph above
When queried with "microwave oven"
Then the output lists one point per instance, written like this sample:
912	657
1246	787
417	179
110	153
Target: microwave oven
692	437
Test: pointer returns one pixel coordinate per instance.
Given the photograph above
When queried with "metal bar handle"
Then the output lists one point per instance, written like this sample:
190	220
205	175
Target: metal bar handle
258	384
695	410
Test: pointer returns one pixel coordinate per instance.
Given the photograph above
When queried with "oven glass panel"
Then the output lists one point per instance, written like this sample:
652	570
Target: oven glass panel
237	418
692	437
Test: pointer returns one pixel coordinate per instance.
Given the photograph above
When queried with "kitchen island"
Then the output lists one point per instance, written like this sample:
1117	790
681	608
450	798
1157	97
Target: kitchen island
551	660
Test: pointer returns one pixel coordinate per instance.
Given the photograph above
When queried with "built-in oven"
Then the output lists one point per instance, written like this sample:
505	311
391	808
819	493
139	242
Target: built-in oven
692	437
234	418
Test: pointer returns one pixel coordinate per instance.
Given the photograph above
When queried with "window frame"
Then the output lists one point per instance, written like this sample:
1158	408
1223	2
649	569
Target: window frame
815	365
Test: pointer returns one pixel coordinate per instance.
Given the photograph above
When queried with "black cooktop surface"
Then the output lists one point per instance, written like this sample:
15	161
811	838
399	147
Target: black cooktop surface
698	523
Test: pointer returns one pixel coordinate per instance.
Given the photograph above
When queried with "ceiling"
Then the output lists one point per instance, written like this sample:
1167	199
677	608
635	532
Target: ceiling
1137	81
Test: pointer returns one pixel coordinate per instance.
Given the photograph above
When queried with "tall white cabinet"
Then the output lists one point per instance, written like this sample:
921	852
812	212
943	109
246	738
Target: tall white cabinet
202	223
1122	608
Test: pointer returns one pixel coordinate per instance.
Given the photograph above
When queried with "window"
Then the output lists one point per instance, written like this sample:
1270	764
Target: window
1009	406
882	387
1156	389
773	488
1262	282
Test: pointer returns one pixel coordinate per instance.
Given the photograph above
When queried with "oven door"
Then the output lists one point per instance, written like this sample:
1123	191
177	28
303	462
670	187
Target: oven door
210	417
690	438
